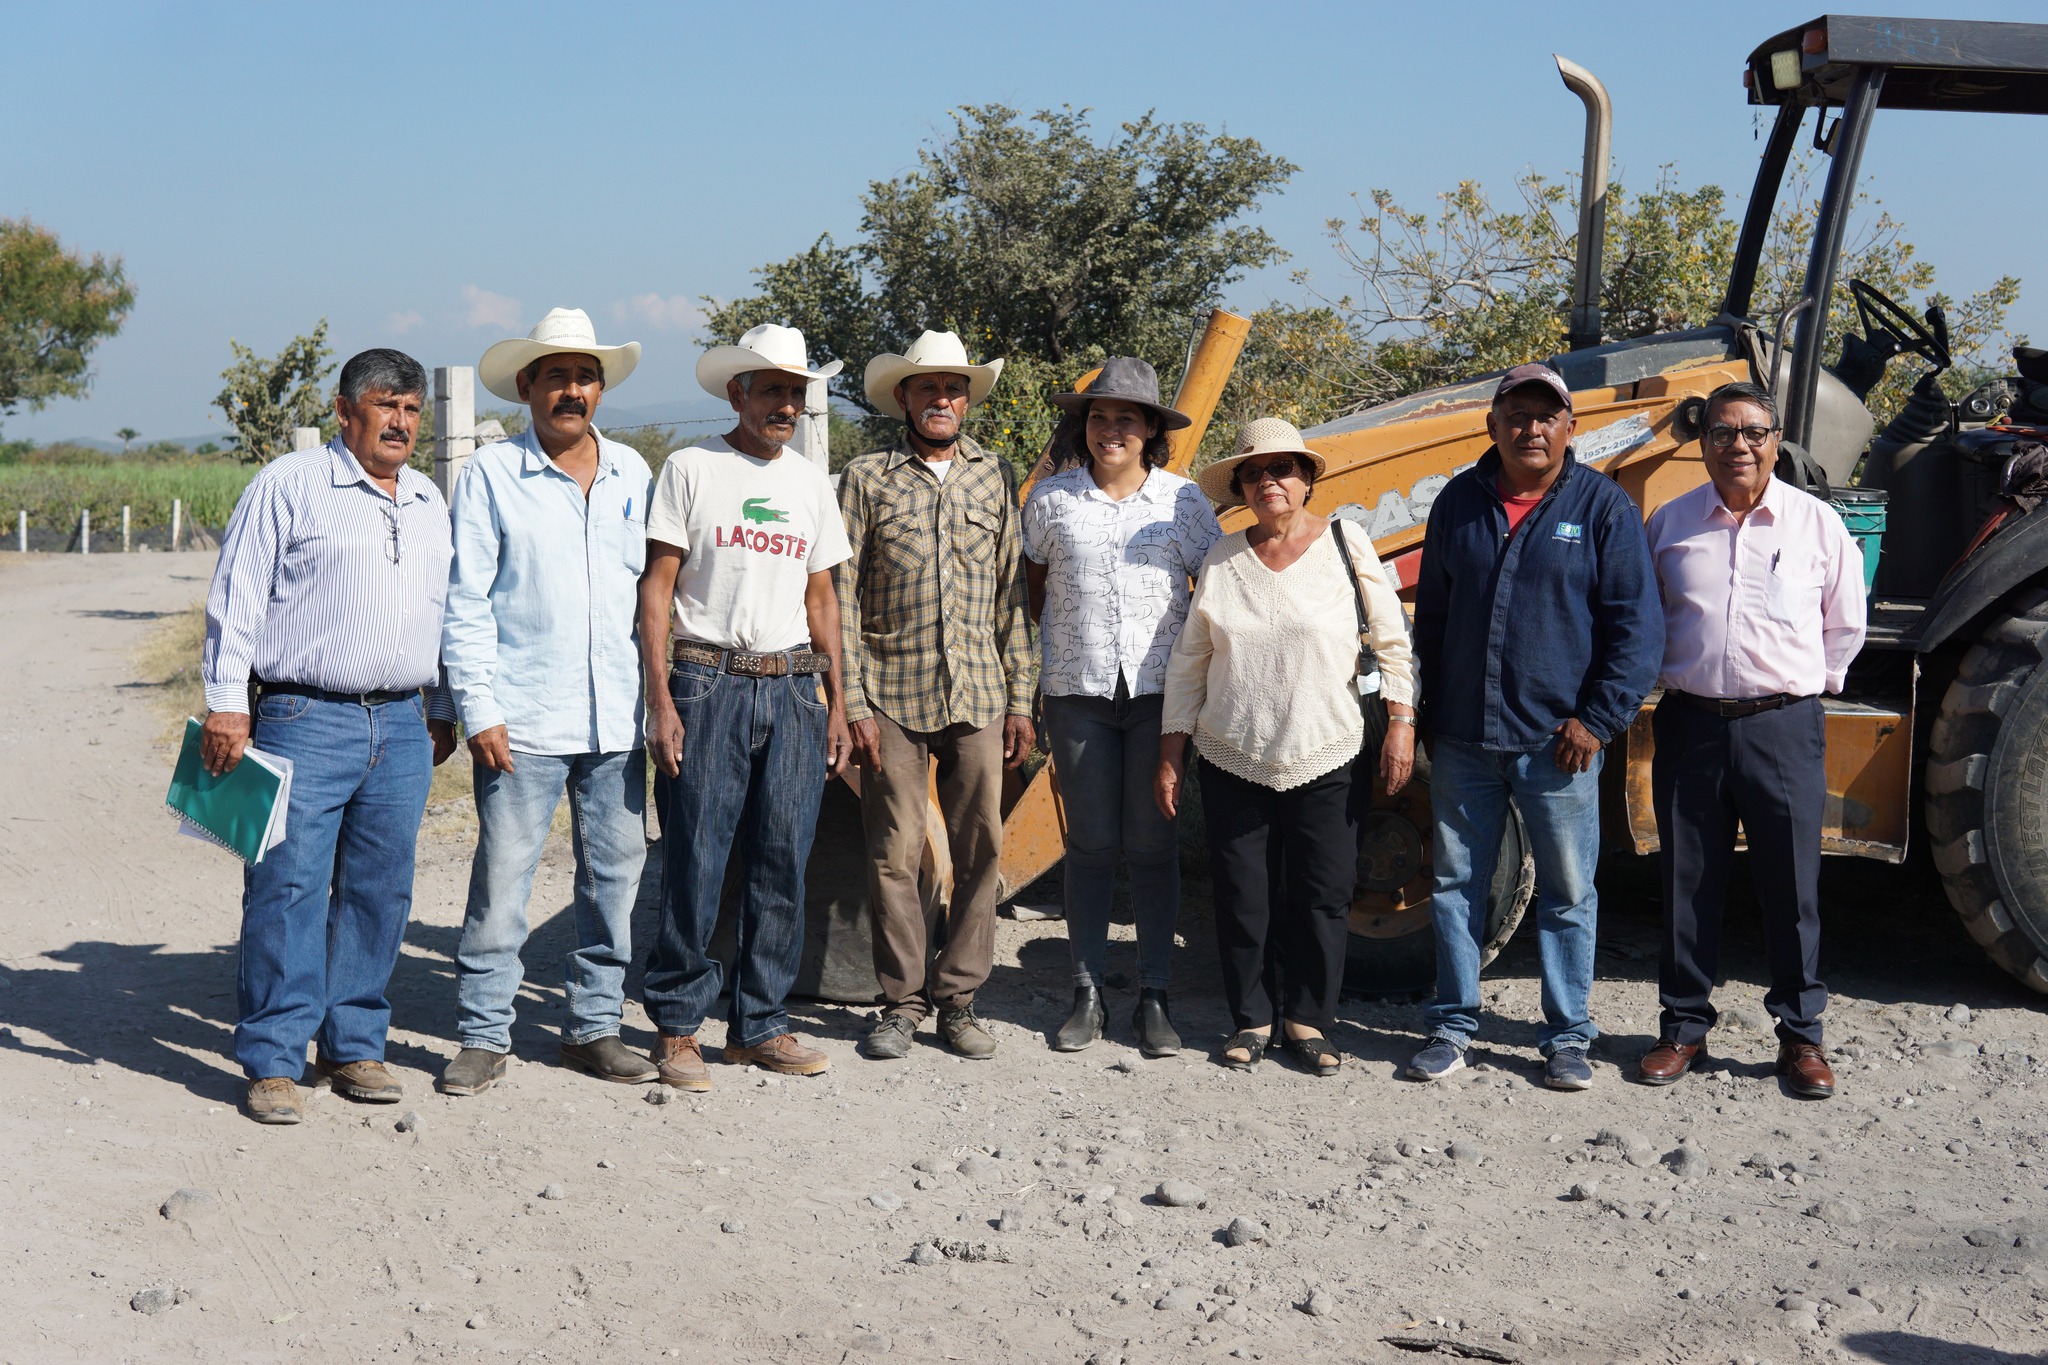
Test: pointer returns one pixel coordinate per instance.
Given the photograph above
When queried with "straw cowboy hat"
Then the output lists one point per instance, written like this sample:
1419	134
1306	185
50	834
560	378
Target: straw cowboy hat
931	353
562	331
1260	436
770	346
1127	379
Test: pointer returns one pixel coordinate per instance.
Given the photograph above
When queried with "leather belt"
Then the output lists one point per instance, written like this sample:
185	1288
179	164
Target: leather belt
292	689
1733	708
748	663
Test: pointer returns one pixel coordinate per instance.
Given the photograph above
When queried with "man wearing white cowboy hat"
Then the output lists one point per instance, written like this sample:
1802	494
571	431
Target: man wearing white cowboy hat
539	644
739	627
938	664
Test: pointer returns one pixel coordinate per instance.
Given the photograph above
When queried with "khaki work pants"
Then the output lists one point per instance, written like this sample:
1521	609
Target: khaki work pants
894	806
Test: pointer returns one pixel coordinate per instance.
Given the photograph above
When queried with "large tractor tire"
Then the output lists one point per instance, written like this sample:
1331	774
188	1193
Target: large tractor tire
1987	791
1392	948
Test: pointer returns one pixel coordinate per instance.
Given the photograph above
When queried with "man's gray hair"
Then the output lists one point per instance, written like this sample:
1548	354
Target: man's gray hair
746	378
382	370
1740	391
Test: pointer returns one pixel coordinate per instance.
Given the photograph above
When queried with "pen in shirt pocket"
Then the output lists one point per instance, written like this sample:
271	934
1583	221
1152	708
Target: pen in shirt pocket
629	517
1774	554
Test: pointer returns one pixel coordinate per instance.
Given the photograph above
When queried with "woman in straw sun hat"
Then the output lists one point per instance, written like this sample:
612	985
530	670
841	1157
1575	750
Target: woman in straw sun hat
1111	541
1294	632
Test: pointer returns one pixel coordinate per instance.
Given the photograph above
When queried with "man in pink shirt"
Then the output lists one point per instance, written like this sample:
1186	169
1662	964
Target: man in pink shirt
1763	610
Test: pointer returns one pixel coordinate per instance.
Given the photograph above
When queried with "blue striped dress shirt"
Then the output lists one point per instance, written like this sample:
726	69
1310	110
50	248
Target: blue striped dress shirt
327	581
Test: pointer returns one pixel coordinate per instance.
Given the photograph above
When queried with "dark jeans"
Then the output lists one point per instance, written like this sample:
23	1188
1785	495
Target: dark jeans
1105	752
1305	915
324	912
753	770
1768	771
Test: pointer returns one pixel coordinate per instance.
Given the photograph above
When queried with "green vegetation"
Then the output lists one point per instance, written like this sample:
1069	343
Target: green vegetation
55	307
266	401
53	492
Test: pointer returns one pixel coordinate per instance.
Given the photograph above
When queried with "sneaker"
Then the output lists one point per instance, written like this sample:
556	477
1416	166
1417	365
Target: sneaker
782	1053
1567	1069
608	1059
366	1081
274	1099
891	1038
679	1062
474	1070
965	1034
1439	1058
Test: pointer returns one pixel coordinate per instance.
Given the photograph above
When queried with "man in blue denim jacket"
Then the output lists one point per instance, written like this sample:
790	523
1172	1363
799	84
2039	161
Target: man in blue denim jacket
1538	631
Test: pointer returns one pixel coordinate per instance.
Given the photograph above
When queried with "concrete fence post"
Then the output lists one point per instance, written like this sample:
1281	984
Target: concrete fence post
454	423
814	428
124	528
306	438
177	520
21	531
85	530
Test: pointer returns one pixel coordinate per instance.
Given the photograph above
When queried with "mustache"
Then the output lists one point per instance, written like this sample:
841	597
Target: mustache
932	412
572	407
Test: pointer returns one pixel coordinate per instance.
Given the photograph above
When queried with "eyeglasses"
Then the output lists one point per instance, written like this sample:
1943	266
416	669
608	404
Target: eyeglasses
394	547
1723	438
1251	475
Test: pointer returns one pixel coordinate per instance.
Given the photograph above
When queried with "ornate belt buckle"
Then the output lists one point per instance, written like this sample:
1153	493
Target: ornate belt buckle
744	663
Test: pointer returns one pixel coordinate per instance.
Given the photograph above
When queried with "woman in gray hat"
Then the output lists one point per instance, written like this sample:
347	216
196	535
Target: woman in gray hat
1111	540
1292	630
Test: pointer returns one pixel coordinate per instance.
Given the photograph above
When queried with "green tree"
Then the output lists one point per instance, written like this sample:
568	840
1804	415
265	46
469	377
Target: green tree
265	401
1036	242
127	435
55	307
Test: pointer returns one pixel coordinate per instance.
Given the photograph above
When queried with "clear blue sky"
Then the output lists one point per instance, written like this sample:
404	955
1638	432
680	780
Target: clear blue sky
435	176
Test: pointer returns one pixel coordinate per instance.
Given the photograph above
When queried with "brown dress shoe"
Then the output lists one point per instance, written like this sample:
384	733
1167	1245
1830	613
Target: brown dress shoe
1667	1061
781	1053
273	1099
680	1062
367	1081
1805	1068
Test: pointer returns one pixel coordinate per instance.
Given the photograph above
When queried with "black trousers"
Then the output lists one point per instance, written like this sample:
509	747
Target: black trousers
1285	865
1766	770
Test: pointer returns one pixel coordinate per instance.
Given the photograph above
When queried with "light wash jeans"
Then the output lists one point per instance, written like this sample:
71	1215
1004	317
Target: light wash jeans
1106	752
324	912
608	830
1469	790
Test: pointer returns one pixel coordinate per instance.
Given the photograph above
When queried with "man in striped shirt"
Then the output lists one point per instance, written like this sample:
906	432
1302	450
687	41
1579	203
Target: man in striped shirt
325	613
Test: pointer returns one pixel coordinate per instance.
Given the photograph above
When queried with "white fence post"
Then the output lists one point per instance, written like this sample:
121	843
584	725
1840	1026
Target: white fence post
124	528
814	428
177	520
21	530
306	438
454	423
85	530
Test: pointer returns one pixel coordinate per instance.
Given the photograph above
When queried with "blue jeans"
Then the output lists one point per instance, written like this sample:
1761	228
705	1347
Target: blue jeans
753	771
1105	752
1469	790
324	912
608	830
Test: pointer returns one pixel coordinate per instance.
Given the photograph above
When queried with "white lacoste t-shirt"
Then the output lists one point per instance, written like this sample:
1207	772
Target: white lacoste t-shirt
752	532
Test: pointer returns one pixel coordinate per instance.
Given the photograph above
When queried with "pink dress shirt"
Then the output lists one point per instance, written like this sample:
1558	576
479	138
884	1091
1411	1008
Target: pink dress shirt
1769	603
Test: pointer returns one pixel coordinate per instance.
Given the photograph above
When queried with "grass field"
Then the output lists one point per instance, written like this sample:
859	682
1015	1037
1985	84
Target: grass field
54	494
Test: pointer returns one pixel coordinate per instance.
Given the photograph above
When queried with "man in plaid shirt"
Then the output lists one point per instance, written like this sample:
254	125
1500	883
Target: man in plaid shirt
938	663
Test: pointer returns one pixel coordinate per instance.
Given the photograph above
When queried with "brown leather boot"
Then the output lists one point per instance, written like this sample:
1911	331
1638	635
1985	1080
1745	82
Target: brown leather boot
273	1099
366	1081
1668	1061
680	1062
781	1053
1805	1068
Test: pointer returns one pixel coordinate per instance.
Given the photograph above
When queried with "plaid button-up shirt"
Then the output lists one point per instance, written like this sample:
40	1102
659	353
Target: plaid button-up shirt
932	605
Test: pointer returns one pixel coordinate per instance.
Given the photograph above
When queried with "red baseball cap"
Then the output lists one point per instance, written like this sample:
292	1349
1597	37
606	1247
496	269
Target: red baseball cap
1534	374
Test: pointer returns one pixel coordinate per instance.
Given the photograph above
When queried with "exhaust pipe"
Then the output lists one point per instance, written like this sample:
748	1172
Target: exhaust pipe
1585	317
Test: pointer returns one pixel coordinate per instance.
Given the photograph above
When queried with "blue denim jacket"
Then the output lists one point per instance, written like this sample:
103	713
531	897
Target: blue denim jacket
1516	636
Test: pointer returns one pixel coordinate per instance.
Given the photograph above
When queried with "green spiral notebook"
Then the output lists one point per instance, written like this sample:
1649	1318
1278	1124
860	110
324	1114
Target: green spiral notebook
242	810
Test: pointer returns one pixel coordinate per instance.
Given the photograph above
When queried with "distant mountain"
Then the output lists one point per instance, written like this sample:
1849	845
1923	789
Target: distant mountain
688	415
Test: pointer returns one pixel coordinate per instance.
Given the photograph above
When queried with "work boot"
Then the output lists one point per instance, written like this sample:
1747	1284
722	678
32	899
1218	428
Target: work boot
679	1062
474	1070
366	1081
608	1059
965	1034
273	1099
782	1053
1156	1035
1086	1023
891	1038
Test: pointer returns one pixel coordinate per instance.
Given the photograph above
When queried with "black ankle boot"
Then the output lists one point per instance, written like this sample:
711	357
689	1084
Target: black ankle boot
1085	1024
1156	1037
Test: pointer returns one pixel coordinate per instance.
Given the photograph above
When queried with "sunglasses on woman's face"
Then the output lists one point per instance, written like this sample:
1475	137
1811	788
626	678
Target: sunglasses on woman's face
1252	475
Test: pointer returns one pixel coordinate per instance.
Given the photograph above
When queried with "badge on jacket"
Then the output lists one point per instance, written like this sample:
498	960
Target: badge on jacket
1569	530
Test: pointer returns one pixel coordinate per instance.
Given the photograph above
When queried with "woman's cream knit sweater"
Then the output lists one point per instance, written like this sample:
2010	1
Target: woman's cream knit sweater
1262	673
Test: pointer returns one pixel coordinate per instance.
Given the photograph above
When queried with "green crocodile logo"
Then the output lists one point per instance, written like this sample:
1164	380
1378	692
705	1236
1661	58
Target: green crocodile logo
758	510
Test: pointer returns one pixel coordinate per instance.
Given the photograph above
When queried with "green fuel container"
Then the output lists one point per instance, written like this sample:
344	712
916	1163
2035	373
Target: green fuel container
1863	511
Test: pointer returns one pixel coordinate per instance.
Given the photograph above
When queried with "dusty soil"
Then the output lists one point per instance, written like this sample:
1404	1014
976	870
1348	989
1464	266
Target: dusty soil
773	1220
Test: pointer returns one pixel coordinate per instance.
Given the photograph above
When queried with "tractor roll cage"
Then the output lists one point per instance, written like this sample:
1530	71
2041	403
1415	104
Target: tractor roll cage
1860	64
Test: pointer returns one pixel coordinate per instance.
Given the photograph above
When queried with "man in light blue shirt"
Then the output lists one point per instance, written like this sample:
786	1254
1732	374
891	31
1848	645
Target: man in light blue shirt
543	661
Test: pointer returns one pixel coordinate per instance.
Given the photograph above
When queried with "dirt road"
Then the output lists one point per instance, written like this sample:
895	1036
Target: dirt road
558	1218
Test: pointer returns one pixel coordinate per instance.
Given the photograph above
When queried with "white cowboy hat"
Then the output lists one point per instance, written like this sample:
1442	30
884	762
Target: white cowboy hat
1260	436
932	353
562	331
770	346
